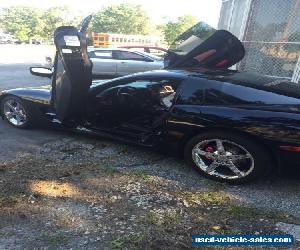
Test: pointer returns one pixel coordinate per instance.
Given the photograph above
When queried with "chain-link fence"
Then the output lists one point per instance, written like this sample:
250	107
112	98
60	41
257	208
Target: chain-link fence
272	37
274	59
270	33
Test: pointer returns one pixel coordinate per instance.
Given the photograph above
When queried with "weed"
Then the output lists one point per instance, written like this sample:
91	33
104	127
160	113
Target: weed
9	199
111	170
140	174
246	211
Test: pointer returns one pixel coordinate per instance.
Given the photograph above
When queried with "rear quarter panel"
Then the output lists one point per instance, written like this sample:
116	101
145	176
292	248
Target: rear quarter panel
274	124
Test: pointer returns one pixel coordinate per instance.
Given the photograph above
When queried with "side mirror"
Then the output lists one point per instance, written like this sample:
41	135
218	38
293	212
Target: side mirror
41	71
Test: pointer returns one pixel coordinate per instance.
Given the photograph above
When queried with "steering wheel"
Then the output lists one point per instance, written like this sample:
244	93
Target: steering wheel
128	96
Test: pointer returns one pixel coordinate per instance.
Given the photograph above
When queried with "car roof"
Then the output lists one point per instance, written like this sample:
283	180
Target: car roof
145	54
109	48
143	47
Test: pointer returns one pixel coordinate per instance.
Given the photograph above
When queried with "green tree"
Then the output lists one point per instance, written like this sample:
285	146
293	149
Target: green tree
172	30
22	21
122	18
57	16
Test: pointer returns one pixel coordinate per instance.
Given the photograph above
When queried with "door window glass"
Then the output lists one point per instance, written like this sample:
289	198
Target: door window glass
125	55
153	94
102	54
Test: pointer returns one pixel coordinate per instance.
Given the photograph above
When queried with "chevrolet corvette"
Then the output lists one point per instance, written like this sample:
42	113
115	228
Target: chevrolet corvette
231	126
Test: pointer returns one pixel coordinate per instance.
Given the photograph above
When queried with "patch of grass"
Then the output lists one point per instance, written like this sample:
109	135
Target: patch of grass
110	170
54	241
199	219
152	218
210	197
140	174
171	217
99	226
214	185
246	211
118	243
230	230
9	199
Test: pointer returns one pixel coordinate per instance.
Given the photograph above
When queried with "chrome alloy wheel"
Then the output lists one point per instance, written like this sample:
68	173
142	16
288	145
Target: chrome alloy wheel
223	159
14	112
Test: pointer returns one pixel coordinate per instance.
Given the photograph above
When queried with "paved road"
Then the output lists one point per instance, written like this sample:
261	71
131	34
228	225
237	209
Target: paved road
15	61
18	75
17	141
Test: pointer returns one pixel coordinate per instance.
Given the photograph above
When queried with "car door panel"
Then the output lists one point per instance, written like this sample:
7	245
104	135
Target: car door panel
125	67
103	62
129	62
72	75
154	65
104	66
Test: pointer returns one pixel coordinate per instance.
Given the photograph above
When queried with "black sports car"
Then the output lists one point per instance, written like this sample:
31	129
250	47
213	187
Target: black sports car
230	125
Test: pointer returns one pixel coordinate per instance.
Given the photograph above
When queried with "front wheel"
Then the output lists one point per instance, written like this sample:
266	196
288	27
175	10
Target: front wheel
227	157
16	112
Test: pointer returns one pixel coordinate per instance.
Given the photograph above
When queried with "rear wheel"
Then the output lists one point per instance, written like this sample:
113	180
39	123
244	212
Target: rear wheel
16	112
227	157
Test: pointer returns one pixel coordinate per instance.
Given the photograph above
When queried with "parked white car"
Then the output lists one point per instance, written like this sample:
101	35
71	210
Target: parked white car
119	62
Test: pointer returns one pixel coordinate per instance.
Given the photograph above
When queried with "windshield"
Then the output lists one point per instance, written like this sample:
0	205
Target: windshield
192	38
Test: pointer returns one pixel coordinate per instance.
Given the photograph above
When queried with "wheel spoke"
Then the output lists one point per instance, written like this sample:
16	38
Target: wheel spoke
235	170
7	104
212	167
239	157
9	115
17	107
198	159
200	153
19	119
220	146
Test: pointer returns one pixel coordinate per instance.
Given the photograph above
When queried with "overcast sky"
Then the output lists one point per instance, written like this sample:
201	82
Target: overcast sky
205	10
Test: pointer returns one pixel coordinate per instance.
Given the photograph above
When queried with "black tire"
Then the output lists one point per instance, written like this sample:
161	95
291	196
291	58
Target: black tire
260	156
29	121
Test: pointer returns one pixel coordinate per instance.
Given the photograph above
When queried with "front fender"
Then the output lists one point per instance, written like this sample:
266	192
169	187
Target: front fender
39	97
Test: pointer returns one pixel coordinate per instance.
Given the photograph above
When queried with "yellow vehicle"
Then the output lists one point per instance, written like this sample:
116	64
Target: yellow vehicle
109	39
